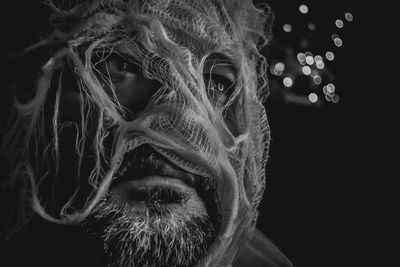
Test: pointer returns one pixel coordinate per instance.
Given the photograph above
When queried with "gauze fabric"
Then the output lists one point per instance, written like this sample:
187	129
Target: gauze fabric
171	40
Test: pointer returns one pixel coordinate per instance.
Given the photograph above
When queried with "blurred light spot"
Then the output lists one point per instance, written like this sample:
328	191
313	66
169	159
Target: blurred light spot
320	65
314	73
324	89
328	98
303	9
313	97
317	59
335	99
330	56
272	69
287	28
277	72
338	42
317	79
308	53
312	26
301	58
348	16
310	60
339	23
330	88
280	66
306	70
288	82
334	36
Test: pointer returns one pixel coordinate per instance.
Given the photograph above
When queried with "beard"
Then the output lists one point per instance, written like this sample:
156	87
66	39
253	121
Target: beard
152	236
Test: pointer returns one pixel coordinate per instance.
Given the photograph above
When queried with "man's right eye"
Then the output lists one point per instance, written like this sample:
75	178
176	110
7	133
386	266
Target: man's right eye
119	69
117	64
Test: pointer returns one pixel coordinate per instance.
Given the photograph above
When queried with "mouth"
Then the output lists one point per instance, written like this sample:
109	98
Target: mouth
149	181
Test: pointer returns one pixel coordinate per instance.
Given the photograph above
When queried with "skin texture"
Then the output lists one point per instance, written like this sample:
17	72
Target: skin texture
144	135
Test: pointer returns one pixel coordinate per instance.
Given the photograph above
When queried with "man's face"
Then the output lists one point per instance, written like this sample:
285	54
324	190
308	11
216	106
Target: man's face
152	133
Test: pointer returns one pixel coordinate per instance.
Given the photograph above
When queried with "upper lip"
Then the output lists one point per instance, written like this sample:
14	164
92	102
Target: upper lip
145	162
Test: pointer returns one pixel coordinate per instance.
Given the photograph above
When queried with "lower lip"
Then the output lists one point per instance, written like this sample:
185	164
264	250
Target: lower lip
155	181
148	182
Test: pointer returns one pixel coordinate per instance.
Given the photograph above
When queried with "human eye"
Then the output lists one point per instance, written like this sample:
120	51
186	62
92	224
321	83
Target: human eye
220	80
219	88
119	69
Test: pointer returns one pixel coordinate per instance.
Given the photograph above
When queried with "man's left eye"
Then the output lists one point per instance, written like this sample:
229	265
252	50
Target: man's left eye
219	88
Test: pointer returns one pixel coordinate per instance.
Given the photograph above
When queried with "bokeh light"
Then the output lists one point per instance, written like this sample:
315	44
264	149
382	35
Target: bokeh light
330	88
318	58
348	16
308	53
317	79
320	65
309	60
328	98
303	9
288	82
306	70
330	56
339	23
338	42
303	59
335	99
313	97
287	28
279	68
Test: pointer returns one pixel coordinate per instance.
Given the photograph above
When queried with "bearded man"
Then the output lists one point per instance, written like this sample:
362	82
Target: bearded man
144	139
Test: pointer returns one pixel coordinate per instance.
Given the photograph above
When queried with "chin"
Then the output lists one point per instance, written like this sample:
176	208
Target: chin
156	213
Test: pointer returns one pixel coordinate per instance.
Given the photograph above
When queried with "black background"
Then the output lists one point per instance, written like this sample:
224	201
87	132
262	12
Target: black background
319	192
324	203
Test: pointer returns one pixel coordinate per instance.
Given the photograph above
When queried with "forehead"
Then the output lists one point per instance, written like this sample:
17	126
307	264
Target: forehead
198	26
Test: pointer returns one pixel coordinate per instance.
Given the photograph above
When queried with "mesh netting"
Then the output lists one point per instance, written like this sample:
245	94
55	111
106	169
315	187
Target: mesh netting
170	40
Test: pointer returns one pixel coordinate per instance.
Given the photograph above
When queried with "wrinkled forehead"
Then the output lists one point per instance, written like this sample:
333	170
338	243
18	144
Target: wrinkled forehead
199	26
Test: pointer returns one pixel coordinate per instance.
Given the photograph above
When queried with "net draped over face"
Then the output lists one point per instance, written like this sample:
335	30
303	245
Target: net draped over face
171	41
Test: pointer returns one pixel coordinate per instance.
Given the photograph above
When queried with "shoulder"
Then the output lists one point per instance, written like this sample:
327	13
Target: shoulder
261	252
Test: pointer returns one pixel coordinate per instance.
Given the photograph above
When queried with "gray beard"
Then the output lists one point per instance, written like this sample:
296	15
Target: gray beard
154	237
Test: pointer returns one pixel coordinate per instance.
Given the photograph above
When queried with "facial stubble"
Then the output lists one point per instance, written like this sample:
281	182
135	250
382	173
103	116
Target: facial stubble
153	236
